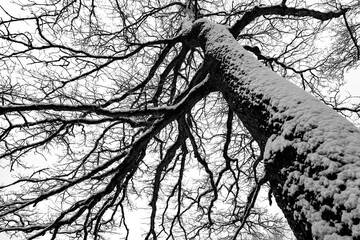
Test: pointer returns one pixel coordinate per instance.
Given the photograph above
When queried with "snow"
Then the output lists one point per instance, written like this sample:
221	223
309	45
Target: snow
327	146
336	237
186	24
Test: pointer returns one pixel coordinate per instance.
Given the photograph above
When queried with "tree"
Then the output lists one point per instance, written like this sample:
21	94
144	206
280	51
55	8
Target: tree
189	105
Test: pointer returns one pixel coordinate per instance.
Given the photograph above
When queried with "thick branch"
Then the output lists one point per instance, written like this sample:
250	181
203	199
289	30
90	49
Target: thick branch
353	38
281	10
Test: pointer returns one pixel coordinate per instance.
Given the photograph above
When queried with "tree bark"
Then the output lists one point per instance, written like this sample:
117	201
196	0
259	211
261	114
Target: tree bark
311	153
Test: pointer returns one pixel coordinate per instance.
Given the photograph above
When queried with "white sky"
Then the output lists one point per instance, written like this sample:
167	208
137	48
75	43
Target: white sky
353	82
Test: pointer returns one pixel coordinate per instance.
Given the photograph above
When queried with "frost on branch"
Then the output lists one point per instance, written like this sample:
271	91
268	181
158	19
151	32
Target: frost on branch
312	154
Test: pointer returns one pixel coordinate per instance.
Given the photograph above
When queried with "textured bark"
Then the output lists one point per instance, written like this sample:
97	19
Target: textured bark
312	154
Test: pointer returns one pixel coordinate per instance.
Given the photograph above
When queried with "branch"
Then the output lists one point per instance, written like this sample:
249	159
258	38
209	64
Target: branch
352	37
250	204
226	156
92	108
169	156
164	52
282	10
83	108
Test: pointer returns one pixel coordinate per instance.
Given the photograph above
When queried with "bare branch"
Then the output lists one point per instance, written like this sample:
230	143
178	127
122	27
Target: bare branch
281	10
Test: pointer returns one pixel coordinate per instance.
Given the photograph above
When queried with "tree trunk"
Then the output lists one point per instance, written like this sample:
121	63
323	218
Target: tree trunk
311	153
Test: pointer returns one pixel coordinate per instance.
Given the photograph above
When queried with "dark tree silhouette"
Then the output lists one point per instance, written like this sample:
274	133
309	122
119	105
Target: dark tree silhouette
181	109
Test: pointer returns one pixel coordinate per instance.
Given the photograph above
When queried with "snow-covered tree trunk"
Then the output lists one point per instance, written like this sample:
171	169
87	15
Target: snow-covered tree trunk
312	154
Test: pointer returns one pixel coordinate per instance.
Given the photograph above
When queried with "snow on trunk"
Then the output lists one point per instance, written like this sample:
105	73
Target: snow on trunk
312	154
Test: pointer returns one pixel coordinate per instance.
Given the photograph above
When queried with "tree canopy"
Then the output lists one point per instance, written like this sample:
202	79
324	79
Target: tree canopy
107	107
